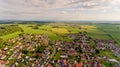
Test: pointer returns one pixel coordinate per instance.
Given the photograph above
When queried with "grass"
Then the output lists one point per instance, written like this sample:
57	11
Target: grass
106	64
95	31
46	27
99	31
112	31
29	30
57	55
72	30
92	31
98	34
108	54
9	36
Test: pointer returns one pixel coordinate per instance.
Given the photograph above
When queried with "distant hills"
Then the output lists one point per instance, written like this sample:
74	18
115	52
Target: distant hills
21	21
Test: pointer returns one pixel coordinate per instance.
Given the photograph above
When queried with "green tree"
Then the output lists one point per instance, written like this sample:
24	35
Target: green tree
25	51
1	42
36	27
40	49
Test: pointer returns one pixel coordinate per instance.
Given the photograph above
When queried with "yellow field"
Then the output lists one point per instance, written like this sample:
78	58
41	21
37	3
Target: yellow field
87	27
60	30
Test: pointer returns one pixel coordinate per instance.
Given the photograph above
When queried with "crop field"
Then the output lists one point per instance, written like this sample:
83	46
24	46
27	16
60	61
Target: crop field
58	31
9	36
55	31
112	30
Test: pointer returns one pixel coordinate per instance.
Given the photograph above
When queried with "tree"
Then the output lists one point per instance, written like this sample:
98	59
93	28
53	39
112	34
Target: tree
22	30
1	42
36	27
24	51
97	51
40	49
78	59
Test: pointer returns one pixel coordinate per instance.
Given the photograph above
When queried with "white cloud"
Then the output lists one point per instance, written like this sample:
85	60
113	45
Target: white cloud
50	4
56	8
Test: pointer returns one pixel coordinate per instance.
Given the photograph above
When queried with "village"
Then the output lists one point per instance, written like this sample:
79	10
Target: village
35	50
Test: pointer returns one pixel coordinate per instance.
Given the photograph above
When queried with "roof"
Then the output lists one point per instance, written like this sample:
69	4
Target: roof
79	64
38	54
48	65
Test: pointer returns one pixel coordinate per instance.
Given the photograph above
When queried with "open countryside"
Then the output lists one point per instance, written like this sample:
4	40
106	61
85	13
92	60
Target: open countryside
59	44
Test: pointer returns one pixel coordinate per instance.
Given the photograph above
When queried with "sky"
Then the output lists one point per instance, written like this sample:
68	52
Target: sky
65	10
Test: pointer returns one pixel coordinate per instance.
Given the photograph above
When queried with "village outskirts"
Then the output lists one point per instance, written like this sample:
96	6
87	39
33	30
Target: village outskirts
36	50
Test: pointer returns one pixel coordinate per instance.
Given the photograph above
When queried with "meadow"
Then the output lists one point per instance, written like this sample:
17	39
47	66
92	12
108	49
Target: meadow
56	31
112	30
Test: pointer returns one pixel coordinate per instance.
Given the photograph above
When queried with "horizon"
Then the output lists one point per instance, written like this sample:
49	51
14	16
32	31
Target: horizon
51	21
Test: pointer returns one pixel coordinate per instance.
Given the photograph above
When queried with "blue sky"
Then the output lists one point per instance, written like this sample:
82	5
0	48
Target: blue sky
60	10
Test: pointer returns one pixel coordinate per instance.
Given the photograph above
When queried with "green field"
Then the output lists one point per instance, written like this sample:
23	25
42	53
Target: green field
55	31
9	36
112	30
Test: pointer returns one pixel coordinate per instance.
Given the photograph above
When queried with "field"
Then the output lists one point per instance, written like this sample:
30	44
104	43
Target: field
112	30
55	31
58	31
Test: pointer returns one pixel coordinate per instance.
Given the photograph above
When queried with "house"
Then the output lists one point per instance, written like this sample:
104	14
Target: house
79	64
64	56
19	55
63	63
5	48
112	60
3	56
72	52
38	54
49	65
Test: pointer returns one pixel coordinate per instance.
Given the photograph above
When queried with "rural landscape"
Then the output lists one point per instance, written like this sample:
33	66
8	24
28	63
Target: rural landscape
59	33
59	44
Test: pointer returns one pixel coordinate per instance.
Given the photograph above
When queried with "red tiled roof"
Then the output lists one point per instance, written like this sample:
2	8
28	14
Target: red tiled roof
72	52
79	64
48	65
38	54
3	62
73	65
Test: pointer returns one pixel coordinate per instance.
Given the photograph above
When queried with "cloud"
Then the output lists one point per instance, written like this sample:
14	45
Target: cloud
52	4
56	8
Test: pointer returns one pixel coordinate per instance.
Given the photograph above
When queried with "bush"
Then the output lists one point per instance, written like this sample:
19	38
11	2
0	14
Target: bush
1	42
36	27
8	29
39	49
25	51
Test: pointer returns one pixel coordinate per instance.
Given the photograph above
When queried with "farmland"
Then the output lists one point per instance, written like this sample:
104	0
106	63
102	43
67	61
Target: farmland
55	31
112	30
61	32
